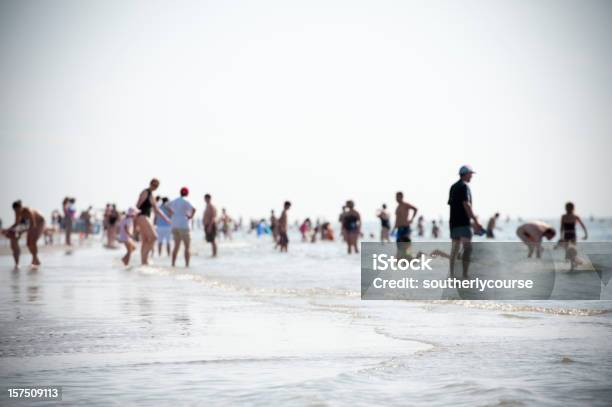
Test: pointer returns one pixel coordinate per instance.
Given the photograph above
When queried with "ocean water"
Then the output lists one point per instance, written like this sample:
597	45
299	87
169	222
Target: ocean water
258	327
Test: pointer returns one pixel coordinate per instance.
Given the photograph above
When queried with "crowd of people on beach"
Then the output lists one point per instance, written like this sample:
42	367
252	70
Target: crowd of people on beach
160	220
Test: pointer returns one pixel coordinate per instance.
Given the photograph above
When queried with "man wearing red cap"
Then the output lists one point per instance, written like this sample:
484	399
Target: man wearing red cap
181	212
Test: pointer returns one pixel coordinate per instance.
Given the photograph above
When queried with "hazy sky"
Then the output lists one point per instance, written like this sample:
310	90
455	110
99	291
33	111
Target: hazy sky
313	101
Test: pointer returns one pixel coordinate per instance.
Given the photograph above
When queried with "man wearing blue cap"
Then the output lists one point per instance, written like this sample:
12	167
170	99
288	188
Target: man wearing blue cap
460	201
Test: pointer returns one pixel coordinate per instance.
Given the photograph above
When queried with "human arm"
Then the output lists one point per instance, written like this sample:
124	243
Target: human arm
414	212
583	227
468	209
159	212
191	212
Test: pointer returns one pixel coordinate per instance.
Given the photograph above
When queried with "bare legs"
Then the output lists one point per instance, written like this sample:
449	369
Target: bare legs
351	242
15	249
465	258
111	233
130	248
181	236
148	237
68	231
159	248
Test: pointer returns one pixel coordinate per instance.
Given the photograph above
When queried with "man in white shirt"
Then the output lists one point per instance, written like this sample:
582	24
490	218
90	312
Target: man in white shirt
181	212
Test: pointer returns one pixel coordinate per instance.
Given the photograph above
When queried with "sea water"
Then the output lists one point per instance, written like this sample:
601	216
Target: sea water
258	327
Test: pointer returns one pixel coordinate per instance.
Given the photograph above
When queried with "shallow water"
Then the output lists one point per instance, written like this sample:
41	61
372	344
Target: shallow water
259	327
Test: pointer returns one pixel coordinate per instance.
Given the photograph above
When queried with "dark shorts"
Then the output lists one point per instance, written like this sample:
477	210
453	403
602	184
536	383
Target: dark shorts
461	232
283	239
403	234
210	233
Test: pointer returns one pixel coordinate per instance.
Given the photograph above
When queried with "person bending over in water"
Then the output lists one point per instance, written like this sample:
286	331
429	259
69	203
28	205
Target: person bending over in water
146	204
29	221
126	236
283	238
533	233
351	223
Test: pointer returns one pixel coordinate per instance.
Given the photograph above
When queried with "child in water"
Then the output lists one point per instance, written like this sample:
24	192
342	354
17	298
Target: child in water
568	234
125	235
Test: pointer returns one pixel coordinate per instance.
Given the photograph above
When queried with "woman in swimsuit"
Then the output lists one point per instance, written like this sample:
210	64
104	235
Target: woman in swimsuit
146	204
29	221
568	225
568	233
351	224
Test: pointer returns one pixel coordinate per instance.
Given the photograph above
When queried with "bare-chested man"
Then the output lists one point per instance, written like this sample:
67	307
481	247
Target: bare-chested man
31	222
283	238
532	234
403	220
210	224
491	226
146	204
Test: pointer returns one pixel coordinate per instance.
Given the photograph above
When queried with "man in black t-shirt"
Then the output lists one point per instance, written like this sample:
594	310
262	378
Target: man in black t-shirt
460	201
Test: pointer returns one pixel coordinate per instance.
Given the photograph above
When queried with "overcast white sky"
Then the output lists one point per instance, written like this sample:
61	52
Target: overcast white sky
313	101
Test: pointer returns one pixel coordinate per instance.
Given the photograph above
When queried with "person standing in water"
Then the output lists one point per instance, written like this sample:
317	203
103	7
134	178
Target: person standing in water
67	208
273	226
435	229
491	226
340	219
126	236
568	225
568	233
31	222
86	220
210	224
283	238
146	205
305	229
532	234
351	223
181	212
113	218
226	223
460	202
403	220
421	226
385	225
163	228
